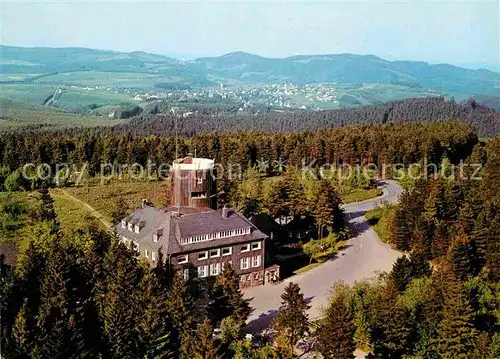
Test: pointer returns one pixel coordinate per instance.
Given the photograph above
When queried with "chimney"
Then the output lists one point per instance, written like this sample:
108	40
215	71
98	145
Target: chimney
225	211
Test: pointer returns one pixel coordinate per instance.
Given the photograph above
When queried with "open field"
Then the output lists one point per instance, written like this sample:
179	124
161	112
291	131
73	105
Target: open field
70	97
104	197
15	114
76	206
107	79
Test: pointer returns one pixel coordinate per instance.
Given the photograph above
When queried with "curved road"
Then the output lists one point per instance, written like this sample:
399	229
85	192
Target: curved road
364	257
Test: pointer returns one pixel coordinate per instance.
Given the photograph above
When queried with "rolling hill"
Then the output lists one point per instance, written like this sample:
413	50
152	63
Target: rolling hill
96	78
243	67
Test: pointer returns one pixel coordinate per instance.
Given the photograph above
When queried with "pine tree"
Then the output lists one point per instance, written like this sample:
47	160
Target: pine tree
461	257
335	333
155	326
327	212
180	307
204	346
30	274
228	299
401	274
392	331
456	336
56	320
292	321
121	302
402	234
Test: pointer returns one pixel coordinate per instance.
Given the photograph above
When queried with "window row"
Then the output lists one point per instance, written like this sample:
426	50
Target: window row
255	246
247	262
214	253
217	235
207	270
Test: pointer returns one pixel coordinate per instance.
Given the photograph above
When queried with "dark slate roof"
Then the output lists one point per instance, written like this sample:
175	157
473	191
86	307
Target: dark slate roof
265	223
210	222
176	226
154	219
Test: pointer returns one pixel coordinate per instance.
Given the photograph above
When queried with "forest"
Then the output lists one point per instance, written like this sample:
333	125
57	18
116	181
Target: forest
484	119
359	144
83	294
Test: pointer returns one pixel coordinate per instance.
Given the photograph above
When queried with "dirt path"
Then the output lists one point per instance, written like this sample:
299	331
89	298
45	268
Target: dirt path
93	212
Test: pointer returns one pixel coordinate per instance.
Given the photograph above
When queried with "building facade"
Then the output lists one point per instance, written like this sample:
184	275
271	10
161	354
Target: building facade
198	241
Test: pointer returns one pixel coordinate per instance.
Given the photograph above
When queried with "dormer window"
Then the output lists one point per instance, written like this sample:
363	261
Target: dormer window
124	223
130	227
157	234
136	228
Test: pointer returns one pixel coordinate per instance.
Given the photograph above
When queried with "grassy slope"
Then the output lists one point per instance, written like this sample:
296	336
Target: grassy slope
71	205
17	114
381	219
104	197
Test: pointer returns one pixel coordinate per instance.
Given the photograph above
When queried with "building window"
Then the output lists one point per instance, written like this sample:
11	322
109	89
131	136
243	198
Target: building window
256	246
202	271
153	256
202	255
256	276
214	253
214	269
256	261
245	248
290	235
272	235
136	247
124	223
245	263
155	237
146	253
249	277
182	259
199	180
298	234
227	251
185	274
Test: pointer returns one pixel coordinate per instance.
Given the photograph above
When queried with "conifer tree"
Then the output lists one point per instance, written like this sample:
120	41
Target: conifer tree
180	307
29	277
401	273
121	304
204	346
335	333
461	257
327	212
155	326
456	336
228	299
56	320
292	321
402	234
392	333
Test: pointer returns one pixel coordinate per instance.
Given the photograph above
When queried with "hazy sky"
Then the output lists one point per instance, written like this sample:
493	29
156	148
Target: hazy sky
454	32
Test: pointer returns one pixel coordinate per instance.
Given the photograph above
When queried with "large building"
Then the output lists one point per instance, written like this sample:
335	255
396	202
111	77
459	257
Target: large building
196	239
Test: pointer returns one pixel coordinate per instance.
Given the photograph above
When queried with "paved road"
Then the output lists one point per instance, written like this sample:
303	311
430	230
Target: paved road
364	257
